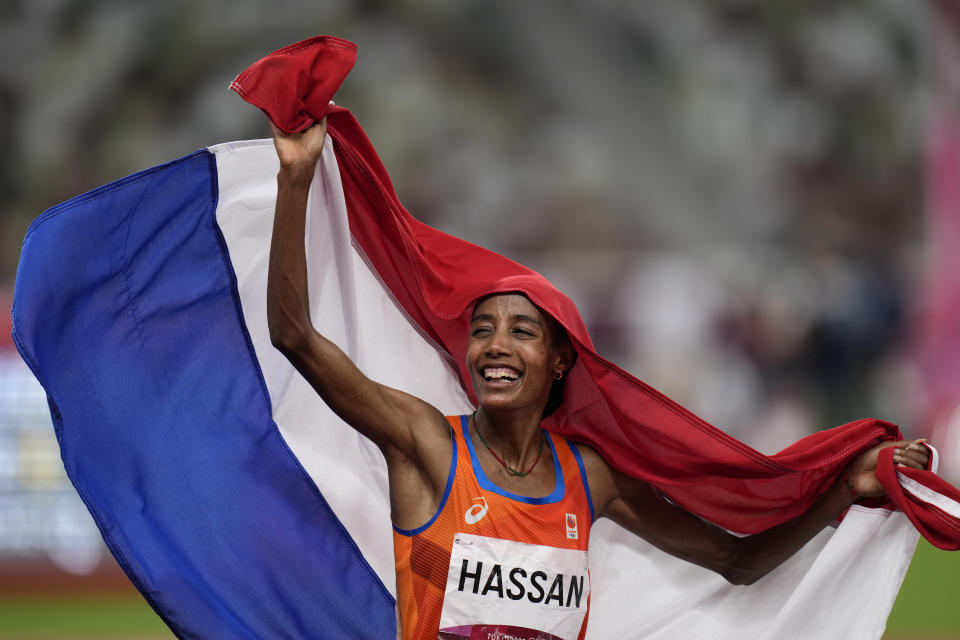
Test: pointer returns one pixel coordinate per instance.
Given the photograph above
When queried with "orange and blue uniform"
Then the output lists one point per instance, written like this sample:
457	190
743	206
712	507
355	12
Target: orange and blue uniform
491	563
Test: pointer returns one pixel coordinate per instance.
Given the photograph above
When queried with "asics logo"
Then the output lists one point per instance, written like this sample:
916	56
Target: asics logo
475	513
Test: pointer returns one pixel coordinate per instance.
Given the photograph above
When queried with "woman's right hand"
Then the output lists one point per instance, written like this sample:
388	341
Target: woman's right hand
299	152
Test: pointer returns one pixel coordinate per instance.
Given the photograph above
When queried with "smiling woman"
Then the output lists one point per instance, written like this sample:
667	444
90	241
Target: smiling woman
532	324
489	536
515	354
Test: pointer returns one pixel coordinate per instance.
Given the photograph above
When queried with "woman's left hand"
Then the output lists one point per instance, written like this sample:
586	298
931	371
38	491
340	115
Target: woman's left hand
862	471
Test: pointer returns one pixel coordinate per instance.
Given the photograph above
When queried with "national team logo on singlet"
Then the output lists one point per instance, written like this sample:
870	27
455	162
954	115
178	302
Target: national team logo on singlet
572	526
475	513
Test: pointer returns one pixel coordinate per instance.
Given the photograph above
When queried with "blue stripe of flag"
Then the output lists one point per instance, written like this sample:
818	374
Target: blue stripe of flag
126	308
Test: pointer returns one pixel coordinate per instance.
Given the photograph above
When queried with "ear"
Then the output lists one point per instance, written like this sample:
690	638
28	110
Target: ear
563	358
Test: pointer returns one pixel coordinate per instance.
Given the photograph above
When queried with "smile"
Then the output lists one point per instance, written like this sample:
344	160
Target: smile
503	374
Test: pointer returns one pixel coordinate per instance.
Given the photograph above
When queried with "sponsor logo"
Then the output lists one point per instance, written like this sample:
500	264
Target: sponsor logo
475	513
572	526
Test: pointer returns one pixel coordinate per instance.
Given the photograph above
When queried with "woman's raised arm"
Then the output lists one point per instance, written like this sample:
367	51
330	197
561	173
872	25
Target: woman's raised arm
397	422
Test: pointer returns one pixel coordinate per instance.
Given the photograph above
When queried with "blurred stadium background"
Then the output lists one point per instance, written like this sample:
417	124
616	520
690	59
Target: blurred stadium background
751	202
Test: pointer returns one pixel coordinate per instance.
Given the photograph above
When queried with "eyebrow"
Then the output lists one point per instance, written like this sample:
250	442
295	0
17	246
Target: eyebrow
518	316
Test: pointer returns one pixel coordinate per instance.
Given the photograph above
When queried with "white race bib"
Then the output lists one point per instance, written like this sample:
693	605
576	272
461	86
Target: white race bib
506	590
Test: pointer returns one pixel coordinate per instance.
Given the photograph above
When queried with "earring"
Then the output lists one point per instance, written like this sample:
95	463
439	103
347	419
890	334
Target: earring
558	375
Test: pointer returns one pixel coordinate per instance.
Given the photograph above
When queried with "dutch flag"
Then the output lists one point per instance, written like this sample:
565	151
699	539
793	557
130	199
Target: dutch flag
241	507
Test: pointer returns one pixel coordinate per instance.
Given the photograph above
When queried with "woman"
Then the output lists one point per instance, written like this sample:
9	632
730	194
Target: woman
488	533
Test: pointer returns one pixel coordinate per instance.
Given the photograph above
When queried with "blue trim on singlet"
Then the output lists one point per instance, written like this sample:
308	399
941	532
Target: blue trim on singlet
583	477
446	493
485	483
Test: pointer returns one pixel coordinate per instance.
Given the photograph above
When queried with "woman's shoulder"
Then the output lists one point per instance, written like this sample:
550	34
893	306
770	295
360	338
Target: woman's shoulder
606	482
590	456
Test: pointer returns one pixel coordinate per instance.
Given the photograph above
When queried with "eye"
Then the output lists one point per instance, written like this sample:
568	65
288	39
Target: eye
480	331
523	332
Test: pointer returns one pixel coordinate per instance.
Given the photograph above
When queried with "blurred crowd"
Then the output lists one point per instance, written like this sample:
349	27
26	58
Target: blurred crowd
731	191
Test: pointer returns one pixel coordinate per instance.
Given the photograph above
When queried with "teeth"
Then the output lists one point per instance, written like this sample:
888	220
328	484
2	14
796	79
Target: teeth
500	374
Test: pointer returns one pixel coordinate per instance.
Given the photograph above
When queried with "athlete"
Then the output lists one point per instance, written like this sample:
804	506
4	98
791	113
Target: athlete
491	513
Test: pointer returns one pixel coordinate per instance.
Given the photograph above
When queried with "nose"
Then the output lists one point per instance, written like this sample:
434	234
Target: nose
498	344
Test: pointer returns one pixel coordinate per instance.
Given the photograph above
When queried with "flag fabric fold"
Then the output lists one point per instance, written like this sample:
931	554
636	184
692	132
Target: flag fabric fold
241	506
296	82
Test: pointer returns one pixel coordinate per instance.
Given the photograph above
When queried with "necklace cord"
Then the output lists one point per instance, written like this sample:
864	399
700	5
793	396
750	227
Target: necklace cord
510	470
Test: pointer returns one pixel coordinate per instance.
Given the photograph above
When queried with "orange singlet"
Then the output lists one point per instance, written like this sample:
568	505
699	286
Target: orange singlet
495	565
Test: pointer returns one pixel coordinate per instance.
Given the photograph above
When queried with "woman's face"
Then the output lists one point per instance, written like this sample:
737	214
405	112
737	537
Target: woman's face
511	354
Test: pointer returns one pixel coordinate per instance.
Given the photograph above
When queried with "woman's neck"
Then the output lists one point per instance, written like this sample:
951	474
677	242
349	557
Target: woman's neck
514	436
